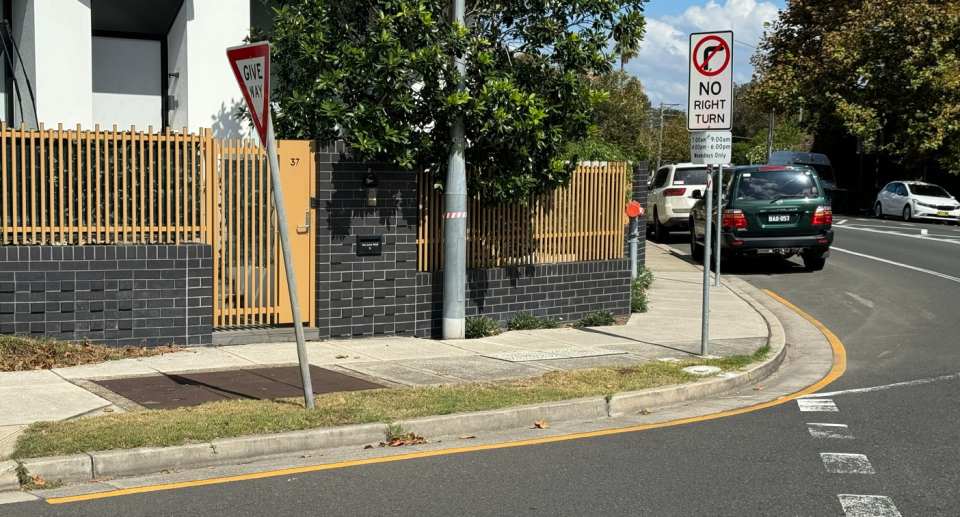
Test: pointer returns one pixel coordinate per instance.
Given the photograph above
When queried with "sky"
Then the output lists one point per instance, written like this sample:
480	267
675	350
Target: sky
661	64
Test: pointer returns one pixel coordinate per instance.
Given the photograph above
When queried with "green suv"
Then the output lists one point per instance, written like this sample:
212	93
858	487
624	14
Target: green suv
769	209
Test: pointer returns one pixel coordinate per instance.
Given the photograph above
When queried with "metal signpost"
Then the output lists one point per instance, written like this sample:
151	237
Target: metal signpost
251	66
709	120
634	212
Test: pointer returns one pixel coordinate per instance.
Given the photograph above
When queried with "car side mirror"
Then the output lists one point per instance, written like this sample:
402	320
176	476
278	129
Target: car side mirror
697	194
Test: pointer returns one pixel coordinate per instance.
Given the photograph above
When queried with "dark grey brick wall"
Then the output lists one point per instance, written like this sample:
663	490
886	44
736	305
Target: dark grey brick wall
142	295
641	175
563	292
385	295
364	296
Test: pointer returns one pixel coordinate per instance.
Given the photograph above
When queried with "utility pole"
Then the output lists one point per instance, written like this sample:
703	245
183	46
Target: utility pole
770	137
660	145
455	219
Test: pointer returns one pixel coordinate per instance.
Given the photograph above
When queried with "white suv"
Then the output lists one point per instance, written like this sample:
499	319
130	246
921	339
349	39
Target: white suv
670	197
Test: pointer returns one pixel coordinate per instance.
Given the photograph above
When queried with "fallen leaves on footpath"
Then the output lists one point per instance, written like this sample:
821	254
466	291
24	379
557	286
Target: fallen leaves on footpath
540	424
21	353
402	441
466	436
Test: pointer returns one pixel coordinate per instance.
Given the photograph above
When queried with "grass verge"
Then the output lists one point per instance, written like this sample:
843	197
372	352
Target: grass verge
19	353
243	417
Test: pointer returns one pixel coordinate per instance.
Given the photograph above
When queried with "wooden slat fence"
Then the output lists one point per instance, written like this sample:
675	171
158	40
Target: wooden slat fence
72	187
241	230
77	187
584	221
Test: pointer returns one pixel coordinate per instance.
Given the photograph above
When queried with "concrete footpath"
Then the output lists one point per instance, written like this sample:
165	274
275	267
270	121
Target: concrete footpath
669	330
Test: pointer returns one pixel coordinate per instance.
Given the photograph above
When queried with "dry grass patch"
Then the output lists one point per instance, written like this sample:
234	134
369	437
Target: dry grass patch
244	417
19	353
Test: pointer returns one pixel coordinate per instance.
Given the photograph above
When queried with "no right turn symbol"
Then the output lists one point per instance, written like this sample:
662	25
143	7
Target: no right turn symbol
711	56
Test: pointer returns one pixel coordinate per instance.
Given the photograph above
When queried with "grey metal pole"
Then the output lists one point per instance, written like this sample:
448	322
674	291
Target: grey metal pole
288	263
770	137
716	259
633	246
660	145
707	244
455	222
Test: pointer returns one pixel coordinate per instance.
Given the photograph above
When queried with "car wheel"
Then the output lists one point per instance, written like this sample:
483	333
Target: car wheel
906	214
814	263
660	232
696	250
878	211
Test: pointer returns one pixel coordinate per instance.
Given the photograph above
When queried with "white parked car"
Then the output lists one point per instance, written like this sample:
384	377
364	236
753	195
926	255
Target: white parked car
670	197
917	200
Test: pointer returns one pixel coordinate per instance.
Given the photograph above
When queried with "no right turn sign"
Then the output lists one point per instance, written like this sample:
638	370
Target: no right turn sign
710	87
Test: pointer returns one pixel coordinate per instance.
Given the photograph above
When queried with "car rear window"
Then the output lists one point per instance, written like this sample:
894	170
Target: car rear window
690	177
763	185
928	190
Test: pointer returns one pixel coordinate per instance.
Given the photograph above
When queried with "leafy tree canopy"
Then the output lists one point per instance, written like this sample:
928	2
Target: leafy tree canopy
379	75
874	65
622	119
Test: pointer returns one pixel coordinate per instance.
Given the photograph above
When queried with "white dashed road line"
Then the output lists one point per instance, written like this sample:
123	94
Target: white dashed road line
817	405
885	386
867	506
944	238
838	431
844	463
907	266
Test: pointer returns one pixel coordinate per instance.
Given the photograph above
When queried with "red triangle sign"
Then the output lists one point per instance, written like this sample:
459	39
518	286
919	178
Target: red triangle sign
251	65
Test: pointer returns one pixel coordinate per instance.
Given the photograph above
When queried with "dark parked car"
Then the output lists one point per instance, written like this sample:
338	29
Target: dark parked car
769	208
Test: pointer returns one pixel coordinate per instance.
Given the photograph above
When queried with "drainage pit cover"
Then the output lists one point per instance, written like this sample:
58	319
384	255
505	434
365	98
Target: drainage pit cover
702	370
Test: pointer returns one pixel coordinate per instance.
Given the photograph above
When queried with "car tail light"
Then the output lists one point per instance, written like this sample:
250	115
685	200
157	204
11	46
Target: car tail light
674	191
823	216
734	218
776	168
737	243
821	240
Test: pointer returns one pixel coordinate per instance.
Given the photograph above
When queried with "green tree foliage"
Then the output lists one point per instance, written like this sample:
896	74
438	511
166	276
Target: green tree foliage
622	119
379	75
751	119
676	138
873	65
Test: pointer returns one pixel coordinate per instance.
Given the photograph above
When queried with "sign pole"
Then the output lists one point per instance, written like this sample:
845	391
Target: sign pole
251	66
288	263
707	245
716	267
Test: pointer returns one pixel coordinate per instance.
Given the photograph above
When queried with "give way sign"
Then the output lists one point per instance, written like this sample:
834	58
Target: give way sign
251	65
710	87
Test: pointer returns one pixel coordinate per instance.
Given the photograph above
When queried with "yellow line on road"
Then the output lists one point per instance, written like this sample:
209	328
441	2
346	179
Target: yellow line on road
839	366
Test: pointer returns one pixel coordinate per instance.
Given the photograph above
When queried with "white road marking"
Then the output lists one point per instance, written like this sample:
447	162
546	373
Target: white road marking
908	235
907	266
860	299
840	221
883	387
812	405
843	463
867	506
838	431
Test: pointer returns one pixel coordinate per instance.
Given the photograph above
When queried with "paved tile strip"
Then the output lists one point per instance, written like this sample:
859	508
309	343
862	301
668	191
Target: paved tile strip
838	431
867	506
562	353
843	463
817	405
